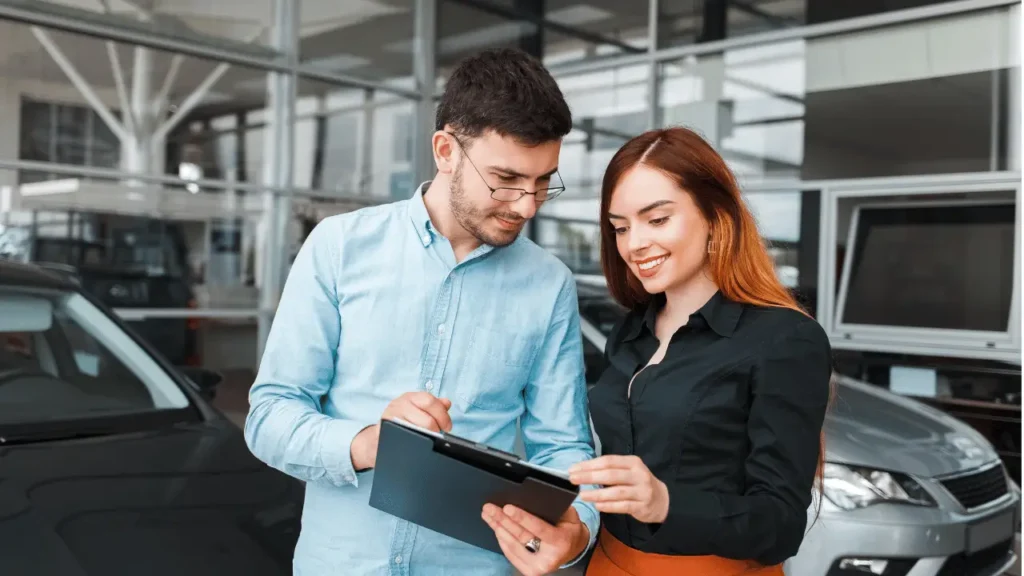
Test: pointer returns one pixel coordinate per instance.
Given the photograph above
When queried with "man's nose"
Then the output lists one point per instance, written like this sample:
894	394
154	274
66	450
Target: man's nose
526	207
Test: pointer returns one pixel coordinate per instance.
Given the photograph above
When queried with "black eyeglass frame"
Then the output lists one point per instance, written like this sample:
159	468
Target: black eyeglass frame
552	193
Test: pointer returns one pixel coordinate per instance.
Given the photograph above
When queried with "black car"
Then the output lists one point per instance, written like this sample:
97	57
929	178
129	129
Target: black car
112	461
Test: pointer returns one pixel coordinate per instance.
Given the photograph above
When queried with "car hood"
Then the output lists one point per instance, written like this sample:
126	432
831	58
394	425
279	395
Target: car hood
187	500
870	426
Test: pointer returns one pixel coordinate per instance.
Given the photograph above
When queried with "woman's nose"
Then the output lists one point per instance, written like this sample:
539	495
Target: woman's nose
638	241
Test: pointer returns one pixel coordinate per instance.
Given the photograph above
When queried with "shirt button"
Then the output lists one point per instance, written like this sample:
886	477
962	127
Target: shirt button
347	478
429	385
398	559
440	328
426	239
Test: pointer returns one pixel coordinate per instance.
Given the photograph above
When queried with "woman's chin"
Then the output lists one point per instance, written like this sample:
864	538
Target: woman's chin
655	285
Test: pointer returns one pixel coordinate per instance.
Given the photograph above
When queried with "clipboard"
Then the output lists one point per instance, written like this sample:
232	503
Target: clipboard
441	482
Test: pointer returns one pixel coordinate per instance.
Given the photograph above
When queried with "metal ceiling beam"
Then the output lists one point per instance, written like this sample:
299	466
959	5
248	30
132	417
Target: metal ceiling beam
151	35
753	10
80	83
950	8
197	95
122	91
512	14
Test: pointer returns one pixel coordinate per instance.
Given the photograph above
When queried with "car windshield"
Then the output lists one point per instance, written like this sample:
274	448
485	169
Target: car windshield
63	360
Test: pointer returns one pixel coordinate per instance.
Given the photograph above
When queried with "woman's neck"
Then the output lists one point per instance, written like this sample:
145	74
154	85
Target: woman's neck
683	300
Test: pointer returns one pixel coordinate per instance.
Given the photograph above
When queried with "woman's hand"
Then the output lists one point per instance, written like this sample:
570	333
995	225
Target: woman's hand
629	487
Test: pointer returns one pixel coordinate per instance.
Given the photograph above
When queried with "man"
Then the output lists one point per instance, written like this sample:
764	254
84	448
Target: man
437	311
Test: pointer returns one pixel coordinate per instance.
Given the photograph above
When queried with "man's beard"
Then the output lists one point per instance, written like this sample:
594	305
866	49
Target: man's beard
473	220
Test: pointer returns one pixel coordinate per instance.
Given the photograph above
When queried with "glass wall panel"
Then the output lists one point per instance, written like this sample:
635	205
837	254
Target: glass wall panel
577	243
559	31
790	223
843	107
354	142
683	22
609	107
369	39
158	252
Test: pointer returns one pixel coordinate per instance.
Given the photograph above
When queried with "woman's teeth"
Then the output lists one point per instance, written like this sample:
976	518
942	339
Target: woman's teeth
651	264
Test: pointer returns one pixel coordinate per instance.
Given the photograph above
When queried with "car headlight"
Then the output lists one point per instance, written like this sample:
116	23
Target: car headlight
850	487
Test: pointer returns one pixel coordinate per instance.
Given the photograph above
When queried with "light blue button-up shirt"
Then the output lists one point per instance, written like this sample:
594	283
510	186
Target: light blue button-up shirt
374	306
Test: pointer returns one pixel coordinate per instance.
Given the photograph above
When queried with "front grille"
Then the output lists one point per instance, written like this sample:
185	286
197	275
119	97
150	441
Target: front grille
981	563
978	488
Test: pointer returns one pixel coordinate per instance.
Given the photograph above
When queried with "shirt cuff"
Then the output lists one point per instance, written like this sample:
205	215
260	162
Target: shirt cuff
336	451
592	520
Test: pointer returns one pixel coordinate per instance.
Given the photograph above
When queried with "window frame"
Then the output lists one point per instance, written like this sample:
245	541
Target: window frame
970	344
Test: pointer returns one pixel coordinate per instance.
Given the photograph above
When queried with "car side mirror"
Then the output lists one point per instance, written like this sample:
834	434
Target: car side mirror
205	379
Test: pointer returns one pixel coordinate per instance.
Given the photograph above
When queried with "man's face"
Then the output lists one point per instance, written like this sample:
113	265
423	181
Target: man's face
500	163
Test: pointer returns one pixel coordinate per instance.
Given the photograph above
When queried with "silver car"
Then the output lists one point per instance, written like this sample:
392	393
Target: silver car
908	491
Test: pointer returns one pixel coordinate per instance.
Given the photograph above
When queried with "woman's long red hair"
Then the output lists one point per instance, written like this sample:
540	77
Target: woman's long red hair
739	262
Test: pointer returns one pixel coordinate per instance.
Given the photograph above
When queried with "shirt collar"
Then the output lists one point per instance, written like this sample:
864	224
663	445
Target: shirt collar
419	217
718	313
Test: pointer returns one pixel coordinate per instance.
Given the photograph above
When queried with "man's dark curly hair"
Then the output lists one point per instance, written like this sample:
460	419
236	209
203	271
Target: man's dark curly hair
507	91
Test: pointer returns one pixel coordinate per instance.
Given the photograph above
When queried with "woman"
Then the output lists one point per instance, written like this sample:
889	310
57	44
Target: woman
711	410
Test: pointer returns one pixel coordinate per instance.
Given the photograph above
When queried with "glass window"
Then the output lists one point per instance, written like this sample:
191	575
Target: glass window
609	107
790	222
64	134
362	38
942	265
577	243
682	22
558	31
63	359
841	107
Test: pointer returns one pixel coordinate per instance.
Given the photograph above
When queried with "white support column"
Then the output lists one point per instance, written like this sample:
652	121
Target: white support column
653	84
279	139
425	70
1013	133
137	156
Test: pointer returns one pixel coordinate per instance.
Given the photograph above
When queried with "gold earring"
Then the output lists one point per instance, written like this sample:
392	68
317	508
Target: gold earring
711	246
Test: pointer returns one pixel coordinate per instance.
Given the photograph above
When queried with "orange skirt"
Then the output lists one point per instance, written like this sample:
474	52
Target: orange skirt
613	558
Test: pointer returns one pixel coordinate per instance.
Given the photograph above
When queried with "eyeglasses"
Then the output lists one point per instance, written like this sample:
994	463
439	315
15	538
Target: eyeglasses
505	194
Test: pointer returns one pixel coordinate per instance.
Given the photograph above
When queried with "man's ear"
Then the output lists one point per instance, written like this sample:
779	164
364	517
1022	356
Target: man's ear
444	152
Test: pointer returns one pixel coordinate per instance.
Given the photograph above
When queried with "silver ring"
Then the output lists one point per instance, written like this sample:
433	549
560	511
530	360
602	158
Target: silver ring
533	545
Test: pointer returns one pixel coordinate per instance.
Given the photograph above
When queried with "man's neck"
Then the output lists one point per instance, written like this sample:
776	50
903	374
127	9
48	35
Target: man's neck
436	200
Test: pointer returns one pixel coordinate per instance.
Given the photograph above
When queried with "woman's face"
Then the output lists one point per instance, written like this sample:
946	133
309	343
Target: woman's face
659	231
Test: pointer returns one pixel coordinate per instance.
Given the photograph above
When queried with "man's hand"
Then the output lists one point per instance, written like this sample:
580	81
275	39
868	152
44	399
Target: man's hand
420	408
559	544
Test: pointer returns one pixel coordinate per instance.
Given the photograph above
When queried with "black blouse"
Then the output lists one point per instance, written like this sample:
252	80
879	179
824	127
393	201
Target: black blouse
729	420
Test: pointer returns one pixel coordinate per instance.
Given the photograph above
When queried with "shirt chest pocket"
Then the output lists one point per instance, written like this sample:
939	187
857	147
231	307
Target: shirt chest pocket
498	365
